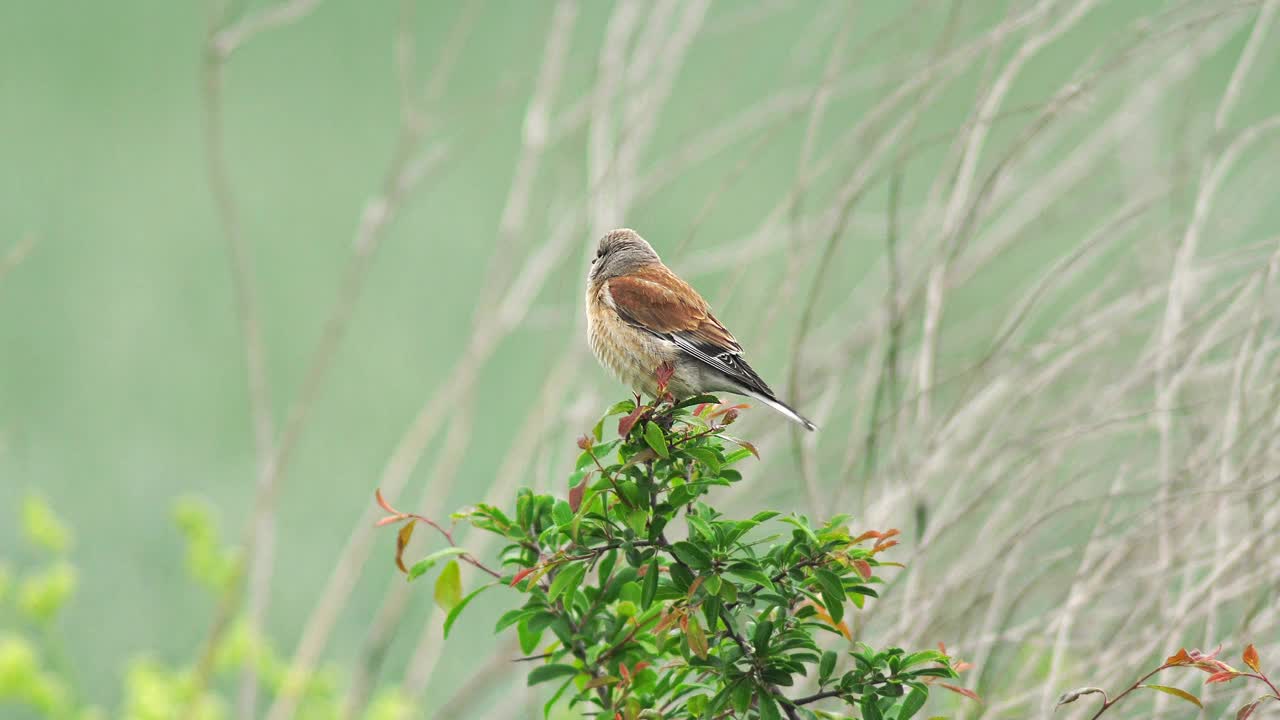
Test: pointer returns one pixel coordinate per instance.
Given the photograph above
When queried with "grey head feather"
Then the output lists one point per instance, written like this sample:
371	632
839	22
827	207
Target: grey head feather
621	252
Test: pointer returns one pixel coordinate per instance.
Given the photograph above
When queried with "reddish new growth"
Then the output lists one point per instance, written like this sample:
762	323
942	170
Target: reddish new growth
664	372
406	532
1217	670
629	420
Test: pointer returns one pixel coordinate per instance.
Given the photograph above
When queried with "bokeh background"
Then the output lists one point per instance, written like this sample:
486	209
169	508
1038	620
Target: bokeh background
1019	259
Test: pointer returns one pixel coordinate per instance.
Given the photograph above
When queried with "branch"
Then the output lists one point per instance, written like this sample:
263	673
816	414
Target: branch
228	40
816	697
259	550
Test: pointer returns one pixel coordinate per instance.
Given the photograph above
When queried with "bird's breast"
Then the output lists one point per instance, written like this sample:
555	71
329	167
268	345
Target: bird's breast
633	356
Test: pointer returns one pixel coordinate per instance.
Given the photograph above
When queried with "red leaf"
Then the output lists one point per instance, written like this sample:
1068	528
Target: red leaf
664	372
696	639
575	495
388	520
1179	658
726	409
744	445
629	420
666	621
1208	662
1244	712
867	536
402	541
822	613
1251	658
585	442
883	545
864	568
521	575
942	648
624	672
640	666
963	691
693	587
1224	676
382	502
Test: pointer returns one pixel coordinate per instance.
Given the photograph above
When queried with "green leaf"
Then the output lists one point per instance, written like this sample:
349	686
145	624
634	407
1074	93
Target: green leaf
636	520
1176	692
711	584
546	708
681	577
728	592
422	566
920	657
777	676
511	617
621	408
698	400
912	704
768	708
942	672
713	706
597	454
543	673
449	586
457	609
655	439
691	555
741	696
870	710
802	525
562	513
529	633
750	574
631	592
707	457
832	592
633	494
605	569
650	588
567	580
827	665
760	638
703	528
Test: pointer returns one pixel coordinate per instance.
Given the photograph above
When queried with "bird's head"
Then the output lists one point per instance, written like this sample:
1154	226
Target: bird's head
621	252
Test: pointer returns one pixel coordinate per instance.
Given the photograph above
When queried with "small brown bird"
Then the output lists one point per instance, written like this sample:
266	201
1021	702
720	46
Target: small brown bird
640	316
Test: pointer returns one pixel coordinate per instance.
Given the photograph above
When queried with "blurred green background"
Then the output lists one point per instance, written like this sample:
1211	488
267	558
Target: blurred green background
123	382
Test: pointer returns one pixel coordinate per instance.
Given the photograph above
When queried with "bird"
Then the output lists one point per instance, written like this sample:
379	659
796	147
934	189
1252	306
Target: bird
641	317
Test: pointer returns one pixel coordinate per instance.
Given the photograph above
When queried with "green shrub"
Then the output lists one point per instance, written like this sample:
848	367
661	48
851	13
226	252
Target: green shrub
641	600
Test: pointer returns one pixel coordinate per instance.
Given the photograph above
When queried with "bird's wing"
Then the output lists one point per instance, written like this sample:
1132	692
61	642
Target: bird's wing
658	302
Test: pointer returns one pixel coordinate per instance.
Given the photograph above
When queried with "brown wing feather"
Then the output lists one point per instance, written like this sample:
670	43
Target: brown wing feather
657	300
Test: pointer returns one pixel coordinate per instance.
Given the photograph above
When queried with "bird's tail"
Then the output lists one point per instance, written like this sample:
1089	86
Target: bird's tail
783	408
